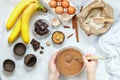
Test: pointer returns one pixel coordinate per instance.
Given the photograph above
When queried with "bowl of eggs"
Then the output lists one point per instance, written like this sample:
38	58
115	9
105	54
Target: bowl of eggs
64	9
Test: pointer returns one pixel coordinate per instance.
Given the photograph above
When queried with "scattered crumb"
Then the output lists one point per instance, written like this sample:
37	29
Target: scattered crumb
41	52
42	47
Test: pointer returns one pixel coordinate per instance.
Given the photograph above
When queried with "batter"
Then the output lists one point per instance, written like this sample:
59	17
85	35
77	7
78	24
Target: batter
65	65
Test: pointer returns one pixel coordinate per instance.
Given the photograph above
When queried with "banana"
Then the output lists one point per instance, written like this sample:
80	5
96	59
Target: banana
16	31
25	20
19	8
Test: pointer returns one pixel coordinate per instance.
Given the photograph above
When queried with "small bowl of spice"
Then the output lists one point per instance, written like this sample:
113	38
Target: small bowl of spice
41	28
58	37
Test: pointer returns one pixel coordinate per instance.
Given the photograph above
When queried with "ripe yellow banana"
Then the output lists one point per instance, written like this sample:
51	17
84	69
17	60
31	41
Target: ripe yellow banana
14	34
20	7
25	20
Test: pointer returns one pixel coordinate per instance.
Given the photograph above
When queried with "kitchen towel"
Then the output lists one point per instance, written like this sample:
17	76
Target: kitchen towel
109	45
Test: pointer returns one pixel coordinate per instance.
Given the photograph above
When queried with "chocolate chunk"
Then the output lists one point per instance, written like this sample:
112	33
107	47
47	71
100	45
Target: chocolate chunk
35	44
9	65
42	28
42	33
45	25
36	26
30	60
39	22
42	47
32	41
37	32
35	29
41	52
46	31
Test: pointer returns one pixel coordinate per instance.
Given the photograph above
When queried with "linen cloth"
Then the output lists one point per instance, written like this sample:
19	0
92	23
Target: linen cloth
109	45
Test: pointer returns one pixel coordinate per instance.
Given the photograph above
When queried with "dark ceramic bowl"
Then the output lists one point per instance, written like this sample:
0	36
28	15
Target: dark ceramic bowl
9	65
19	49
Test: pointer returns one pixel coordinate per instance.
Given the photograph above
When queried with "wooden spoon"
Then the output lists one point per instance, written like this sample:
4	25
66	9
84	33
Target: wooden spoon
88	58
103	20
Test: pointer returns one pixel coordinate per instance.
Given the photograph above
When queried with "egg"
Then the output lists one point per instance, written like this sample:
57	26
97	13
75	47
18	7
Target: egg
65	4
71	10
53	4
59	10
59	0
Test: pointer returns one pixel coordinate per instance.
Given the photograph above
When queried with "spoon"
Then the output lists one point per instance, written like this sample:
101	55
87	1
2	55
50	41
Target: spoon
88	58
102	20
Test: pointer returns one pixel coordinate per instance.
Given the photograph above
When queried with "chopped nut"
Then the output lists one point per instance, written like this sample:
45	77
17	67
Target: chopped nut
48	43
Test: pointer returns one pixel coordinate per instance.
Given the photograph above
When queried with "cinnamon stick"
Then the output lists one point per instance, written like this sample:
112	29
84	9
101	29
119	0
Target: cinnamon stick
73	21
81	8
70	35
76	28
66	26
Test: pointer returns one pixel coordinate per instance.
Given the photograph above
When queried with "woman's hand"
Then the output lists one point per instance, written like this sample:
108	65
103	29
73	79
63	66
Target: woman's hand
53	72
90	66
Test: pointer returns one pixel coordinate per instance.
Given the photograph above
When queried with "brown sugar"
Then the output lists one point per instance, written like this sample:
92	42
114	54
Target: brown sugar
66	66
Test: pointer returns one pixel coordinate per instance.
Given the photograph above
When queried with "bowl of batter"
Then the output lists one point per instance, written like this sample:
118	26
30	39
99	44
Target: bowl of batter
66	63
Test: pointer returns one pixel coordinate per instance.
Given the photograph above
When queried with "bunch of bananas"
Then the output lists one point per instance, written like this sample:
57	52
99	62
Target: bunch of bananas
20	17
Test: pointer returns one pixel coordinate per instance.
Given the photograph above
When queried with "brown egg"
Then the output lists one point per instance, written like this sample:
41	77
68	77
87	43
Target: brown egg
71	10
59	0
65	4
53	4
59	10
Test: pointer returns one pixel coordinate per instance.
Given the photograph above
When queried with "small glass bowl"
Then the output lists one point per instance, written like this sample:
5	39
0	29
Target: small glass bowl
40	36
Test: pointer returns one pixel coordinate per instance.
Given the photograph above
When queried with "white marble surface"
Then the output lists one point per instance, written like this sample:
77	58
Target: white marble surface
40	70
